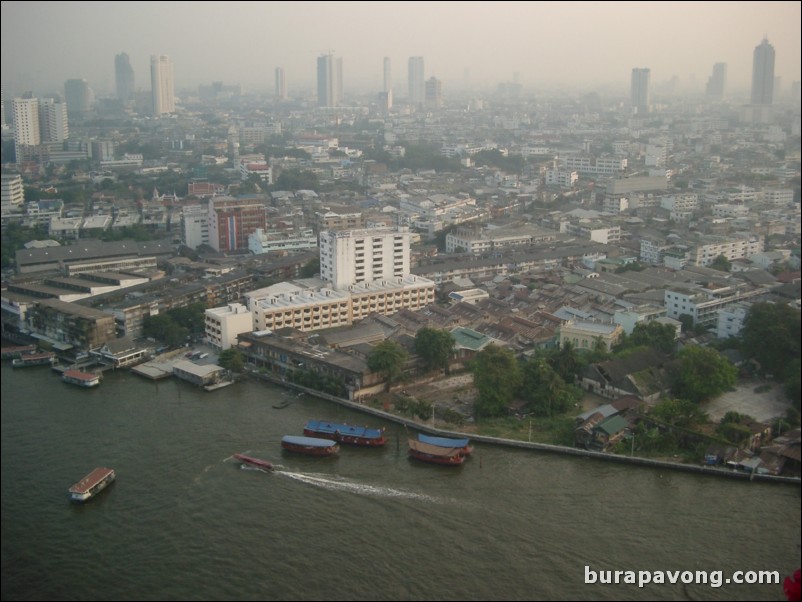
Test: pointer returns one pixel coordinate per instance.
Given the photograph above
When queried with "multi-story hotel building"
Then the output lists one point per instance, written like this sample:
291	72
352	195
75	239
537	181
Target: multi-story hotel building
232	221
353	256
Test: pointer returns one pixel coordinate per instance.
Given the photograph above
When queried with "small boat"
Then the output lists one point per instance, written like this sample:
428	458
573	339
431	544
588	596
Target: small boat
282	404
311	446
82	379
92	484
254	462
26	360
345	433
464	445
448	456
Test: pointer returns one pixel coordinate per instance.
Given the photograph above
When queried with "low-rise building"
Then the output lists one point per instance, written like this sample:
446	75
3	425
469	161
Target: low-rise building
586	335
224	324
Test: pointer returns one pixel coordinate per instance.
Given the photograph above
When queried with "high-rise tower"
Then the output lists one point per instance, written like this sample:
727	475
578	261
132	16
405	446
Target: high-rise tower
763	74
281	84
161	84
388	75
639	91
329	80
78	95
124	77
415	75
717	81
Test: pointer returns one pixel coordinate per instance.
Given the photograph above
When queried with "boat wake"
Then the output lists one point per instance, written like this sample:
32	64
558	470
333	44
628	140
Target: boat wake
342	484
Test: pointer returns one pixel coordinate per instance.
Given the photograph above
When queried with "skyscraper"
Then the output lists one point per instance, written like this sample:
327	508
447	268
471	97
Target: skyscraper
639	91
53	125
434	93
78	96
415	77
763	74
388	75
717	81
161	84
26	127
329	80
281	84
124	77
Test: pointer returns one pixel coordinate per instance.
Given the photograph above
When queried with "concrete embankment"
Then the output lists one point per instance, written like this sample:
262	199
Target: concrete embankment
557	449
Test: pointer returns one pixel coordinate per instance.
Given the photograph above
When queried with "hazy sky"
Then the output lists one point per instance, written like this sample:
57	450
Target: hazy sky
585	44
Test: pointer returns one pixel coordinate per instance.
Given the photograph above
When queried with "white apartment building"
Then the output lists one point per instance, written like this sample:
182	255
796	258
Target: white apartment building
731	320
53	126
223	324
352	256
195	225
287	305
256	166
605	166
476	241
680	203
295	240
13	193
780	198
726	210
561	177
595	231
705	254
704	305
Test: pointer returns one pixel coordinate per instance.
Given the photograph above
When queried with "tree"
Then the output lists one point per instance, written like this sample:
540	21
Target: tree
232	359
388	358
434	346
679	412
566	362
544	389
295	179
496	376
311	268
771	335
651	334
702	373
721	263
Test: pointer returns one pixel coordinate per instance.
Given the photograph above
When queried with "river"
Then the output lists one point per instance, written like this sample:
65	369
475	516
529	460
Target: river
184	522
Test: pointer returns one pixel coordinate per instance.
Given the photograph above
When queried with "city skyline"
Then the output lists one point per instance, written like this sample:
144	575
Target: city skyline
506	38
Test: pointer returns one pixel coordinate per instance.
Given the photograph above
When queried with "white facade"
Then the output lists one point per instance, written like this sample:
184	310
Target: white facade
53	126
13	192
162	86
639	91
705	254
562	178
352	256
725	210
287	305
680	203
417	90
224	324
264	242
26	124
779	197
607	166
258	167
731	321
195	225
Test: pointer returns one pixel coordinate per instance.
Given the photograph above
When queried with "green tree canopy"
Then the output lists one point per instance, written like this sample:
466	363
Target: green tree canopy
721	263
771	335
232	359
165	329
296	179
544	389
496	376
679	412
566	362
702	373
388	358
651	334
434	347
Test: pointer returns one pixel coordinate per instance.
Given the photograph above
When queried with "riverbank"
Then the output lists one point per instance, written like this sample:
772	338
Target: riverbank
556	449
